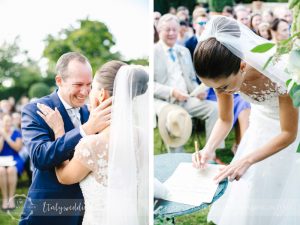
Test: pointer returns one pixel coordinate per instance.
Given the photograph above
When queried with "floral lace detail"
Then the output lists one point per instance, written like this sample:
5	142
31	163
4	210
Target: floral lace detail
92	151
262	91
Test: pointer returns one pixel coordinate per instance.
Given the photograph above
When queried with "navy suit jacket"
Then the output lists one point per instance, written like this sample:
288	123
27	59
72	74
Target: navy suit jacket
191	44
48	201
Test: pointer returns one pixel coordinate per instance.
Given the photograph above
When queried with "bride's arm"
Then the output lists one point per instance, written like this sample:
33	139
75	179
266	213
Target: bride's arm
224	123
220	131
71	172
85	159
289	127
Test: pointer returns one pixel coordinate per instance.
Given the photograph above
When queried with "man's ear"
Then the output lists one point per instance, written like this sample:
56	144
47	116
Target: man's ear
58	80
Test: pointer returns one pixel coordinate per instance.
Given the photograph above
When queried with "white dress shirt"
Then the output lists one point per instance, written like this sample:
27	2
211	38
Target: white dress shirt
73	113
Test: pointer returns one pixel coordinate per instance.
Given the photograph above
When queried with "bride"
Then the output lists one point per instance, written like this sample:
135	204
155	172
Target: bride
112	166
265	171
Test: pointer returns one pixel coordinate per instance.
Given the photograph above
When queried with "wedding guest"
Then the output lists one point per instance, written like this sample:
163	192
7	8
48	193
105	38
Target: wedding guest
10	145
241	14
255	20
284	13
264	31
279	30
156	37
199	26
198	11
156	17
227	11
174	76
183	34
172	10
268	16
183	13
6	107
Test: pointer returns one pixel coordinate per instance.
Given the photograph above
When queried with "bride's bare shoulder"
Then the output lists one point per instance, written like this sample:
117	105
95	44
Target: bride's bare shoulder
253	74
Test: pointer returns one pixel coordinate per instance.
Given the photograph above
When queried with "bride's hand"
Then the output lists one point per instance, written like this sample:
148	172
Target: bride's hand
233	171
52	118
200	160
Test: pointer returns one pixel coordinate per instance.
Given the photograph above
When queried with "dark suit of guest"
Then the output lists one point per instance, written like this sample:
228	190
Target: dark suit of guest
46	194
191	44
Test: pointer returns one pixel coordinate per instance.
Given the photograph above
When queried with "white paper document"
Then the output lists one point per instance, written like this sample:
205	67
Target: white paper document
192	186
7	161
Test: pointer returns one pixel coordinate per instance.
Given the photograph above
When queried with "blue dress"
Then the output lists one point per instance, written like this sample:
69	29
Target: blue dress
8	151
239	103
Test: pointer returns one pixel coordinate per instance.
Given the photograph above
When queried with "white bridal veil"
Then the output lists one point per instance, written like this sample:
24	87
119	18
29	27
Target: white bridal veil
127	197
240	40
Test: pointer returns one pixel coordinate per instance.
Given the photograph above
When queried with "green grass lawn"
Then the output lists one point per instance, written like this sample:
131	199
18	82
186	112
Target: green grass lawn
13	217
197	218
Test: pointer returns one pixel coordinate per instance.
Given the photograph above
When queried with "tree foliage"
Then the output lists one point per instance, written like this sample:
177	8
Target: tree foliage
38	90
17	71
91	38
218	5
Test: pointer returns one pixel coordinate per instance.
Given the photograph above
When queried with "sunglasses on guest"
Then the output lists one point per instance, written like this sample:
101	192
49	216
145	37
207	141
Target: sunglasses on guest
202	23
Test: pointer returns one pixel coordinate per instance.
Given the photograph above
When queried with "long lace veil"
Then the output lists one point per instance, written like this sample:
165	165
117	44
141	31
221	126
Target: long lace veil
127	196
240	40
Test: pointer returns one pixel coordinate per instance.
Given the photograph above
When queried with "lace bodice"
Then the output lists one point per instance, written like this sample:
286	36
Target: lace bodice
92	151
263	93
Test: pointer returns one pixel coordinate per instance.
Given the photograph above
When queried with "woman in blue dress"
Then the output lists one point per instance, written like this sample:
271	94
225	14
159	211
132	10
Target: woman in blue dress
10	145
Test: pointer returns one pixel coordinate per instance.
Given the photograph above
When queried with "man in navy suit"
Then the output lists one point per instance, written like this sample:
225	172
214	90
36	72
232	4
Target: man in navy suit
48	201
199	23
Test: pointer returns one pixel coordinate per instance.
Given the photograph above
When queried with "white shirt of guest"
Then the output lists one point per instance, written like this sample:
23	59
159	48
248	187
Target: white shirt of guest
175	74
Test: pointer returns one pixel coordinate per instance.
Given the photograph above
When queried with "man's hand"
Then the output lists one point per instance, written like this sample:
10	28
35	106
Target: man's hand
179	95
99	118
53	118
202	95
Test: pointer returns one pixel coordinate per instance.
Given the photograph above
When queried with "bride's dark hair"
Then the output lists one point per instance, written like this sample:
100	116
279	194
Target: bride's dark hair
211	58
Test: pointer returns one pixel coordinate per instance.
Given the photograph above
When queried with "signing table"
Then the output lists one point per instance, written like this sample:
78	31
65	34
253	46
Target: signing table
164	166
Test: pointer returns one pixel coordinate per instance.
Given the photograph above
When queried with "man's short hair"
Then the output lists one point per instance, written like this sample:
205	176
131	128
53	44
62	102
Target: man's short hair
65	59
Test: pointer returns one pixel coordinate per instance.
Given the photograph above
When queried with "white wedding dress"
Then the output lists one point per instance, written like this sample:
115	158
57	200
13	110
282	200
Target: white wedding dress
269	192
116	190
93	153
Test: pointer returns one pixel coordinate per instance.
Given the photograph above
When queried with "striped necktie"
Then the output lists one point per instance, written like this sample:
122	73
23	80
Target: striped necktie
74	116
